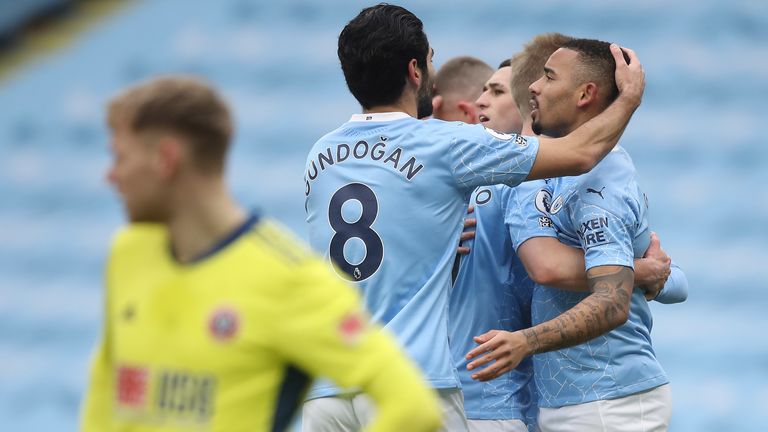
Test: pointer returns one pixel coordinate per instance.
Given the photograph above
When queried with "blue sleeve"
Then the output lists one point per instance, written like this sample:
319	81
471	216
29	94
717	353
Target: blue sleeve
605	230
481	156
676	288
525	212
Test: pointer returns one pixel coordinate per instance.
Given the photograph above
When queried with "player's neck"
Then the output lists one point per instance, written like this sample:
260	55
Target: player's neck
527	127
584	116
406	104
203	216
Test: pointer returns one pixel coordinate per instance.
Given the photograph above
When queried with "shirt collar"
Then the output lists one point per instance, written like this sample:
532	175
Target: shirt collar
249	223
379	117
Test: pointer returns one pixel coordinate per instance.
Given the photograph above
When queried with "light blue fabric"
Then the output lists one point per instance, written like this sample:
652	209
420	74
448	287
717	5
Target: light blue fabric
386	197
676	288
492	291
603	212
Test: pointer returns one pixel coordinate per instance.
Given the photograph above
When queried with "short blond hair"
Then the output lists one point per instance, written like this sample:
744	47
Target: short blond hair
182	105
462	78
528	66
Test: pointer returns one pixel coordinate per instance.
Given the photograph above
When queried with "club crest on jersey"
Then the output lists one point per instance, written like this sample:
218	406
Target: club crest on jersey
224	324
521	141
544	203
351	327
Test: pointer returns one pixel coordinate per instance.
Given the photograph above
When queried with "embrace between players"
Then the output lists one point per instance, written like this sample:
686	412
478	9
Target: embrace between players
524	339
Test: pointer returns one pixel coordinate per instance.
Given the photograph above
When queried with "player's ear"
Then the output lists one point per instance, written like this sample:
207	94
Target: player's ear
437	103
588	94
414	73
169	156
468	111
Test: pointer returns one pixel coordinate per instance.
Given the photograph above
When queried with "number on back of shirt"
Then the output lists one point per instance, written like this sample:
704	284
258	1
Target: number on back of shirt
345	231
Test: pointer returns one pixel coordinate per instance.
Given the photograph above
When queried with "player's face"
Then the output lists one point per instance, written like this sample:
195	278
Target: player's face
554	97
136	175
426	89
498	110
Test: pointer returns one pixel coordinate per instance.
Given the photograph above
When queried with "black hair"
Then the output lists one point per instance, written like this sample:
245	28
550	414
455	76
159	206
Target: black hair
375	49
597	64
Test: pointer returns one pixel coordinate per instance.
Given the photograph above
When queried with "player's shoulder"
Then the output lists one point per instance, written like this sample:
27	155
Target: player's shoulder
529	187
524	192
616	167
331	136
136	236
277	243
437	130
138	245
612	186
525	199
290	263
472	132
615	173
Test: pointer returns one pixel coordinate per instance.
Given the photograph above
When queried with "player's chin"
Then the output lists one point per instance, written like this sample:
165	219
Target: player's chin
536	126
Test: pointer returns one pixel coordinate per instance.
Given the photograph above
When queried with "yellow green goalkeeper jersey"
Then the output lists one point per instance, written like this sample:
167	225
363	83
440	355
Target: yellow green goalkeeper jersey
229	342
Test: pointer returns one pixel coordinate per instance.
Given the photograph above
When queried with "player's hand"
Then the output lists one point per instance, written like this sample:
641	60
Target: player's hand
653	268
630	78
470	223
508	349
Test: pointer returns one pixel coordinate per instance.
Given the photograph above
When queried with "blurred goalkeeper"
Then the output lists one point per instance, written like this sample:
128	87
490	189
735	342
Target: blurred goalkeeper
217	319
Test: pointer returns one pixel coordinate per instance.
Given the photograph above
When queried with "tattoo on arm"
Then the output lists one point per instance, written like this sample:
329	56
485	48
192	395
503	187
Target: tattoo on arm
602	311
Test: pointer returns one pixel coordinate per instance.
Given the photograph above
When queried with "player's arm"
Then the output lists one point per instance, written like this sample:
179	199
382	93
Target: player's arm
532	232
579	151
549	262
602	311
652	271
607	236
661	279
327	334
552	263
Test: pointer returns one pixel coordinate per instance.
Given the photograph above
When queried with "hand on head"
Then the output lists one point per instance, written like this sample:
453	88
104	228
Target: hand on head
630	76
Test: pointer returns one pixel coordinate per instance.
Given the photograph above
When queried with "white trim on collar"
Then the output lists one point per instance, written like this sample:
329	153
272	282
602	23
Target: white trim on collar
379	117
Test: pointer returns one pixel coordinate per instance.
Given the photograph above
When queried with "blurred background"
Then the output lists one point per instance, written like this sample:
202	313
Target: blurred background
696	140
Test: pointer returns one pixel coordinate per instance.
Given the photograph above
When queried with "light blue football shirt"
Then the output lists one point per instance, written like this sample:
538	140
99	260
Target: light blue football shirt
385	198
604	212
675	288
492	291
